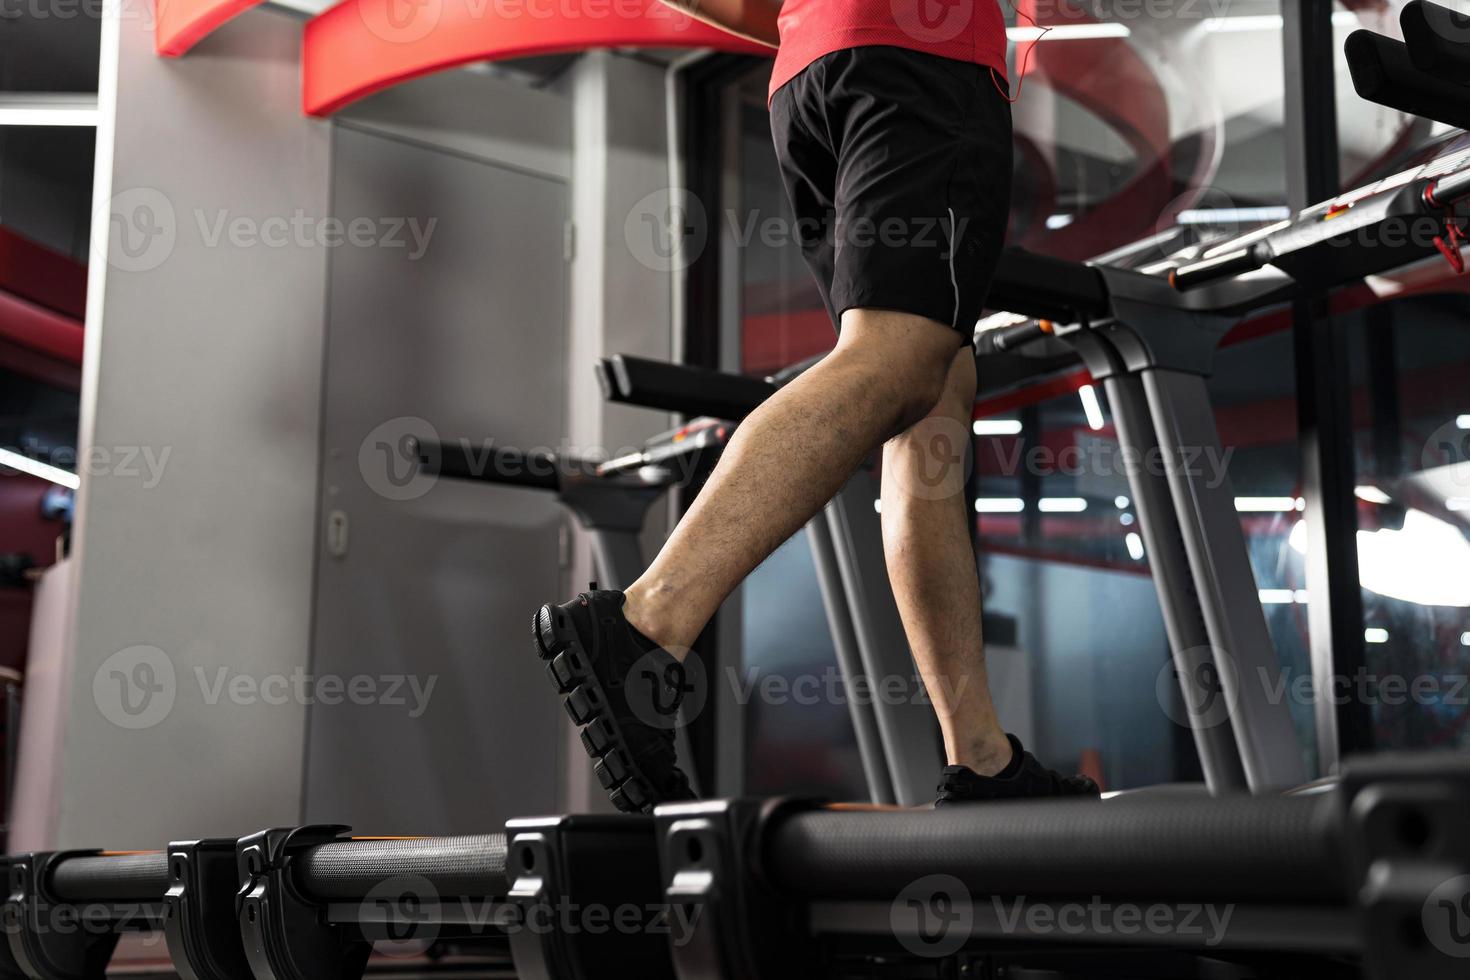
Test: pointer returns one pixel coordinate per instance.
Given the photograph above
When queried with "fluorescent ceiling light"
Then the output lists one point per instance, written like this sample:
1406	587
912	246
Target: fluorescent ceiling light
1375	634
1269	22
1463	421
46	109
999	505
1058	221
997	427
35	467
1062	505
1265	505
1276	597
1135	546
1373	495
1067	32
1214	216
1090	407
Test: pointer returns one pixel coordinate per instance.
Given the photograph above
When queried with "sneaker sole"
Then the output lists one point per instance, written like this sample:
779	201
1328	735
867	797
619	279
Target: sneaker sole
570	671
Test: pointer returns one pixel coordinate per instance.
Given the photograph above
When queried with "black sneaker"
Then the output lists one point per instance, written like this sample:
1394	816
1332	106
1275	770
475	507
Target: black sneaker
1022	779
591	654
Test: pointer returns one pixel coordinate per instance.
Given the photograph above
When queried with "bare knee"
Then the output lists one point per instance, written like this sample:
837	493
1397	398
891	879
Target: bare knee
957	397
910	358
948	417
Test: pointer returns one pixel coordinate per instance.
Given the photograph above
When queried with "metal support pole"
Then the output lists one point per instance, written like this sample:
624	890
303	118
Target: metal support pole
1205	506
849	661
906	725
1324	410
1189	641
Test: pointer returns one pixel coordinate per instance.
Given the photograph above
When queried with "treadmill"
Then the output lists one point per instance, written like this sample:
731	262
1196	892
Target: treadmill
1366	874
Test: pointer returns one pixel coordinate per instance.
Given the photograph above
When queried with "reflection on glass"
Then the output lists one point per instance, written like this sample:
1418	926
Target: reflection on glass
1158	124
1411	433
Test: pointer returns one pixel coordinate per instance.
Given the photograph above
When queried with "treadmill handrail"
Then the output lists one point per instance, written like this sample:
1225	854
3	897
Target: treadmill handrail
349	870
690	391
1282	849
506	465
110	877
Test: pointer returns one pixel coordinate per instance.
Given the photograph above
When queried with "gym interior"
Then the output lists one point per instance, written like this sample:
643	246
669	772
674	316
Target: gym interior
336	338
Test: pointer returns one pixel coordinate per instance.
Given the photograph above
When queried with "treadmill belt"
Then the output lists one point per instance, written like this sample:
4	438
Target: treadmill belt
111	878
1281	849
349	870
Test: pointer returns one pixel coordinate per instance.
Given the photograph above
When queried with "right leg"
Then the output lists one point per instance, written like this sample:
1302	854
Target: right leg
786	461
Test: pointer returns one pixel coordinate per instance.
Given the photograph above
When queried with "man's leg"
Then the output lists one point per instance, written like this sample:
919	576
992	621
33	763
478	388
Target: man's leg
931	565
786	461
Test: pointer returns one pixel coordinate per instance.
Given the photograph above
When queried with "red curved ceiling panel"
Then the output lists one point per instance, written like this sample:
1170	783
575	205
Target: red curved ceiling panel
362	46
180	24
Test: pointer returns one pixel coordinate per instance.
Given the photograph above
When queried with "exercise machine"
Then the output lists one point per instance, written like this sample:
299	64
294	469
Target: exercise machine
1362	879
610	498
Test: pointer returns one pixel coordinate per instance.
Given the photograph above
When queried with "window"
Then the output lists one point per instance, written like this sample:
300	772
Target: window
1411	436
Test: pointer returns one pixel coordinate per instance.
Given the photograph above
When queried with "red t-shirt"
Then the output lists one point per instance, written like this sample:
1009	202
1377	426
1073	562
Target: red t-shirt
965	30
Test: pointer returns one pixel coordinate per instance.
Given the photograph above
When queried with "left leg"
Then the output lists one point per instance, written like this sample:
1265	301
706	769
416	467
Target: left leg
931	566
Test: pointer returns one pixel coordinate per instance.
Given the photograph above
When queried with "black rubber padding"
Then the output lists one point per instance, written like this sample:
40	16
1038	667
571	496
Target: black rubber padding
1045	287
111	878
471	866
679	388
1276	849
1438	40
1383	73
495	464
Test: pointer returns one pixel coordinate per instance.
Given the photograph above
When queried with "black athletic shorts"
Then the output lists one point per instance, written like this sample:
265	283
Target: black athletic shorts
898	166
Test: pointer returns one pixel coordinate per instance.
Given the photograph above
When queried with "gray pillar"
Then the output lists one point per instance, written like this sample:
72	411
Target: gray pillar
200	416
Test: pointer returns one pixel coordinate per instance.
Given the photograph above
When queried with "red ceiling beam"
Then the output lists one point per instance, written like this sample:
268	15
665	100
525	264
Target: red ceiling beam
181	24
363	46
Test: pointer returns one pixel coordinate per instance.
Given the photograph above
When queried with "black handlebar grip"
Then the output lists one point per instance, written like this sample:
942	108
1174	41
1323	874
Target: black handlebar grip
1003	339
1384	73
1187	277
1438	40
678	388
492	464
